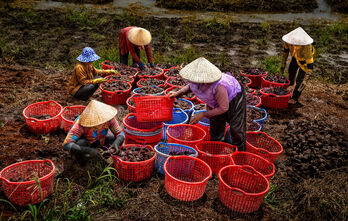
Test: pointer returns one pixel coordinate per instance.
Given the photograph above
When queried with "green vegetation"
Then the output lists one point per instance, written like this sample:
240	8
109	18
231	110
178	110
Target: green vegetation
216	23
83	18
272	64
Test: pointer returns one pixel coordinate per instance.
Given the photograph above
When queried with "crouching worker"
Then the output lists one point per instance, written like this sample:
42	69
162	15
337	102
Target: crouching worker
91	131
225	99
86	78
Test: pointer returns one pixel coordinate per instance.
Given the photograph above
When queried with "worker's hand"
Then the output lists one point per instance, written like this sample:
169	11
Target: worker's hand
172	94
114	72
291	88
151	65
197	117
141	65
99	80
84	150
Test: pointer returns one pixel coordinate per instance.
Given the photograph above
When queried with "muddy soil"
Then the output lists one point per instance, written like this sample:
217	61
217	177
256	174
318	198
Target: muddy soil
248	5
38	52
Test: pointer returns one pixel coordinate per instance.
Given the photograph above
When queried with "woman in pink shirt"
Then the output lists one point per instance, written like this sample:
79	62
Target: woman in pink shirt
225	99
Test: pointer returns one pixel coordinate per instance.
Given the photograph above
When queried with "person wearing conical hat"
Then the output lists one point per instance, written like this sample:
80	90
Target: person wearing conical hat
132	40
299	44
86	78
225	99
91	130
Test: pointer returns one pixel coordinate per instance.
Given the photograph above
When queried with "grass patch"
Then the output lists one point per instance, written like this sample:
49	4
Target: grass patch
272	64
83	18
216	23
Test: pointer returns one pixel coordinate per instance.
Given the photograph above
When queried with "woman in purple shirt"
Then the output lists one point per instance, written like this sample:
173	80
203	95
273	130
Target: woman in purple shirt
225	99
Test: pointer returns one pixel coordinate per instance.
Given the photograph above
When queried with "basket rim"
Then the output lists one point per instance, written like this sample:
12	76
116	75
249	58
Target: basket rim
171	85
222	181
144	79
268	137
200	145
138	88
261	109
30	181
250	75
166	70
70	107
182	112
42	102
281	84
186	182
188	101
258	98
153	76
186	125
281	96
173	144
139	162
114	92
133	128
256	156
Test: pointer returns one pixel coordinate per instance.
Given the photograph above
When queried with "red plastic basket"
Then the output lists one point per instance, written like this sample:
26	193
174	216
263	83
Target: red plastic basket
169	84
263	145
68	112
255	79
130	79
141	133
265	83
186	177
166	92
154	108
261	165
165	72
134	171
144	79
275	101
28	192
216	154
157	76
131	108
107	67
51	108
185	134
253	91
242	188
115	97
258	98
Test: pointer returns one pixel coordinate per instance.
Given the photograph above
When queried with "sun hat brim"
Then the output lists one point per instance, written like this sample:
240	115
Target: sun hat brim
91	58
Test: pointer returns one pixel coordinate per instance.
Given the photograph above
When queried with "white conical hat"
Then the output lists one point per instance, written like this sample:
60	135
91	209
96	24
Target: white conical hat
139	36
201	71
297	37
96	113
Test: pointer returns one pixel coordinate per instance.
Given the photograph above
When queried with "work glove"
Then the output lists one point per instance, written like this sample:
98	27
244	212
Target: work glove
99	80
151	65
85	151
114	72
114	146
141	65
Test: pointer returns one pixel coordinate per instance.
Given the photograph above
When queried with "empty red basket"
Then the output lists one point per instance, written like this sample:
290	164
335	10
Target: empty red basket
115	97
68	112
134	171
216	154
153	108
185	134
22	192
186	177
261	165
261	144
242	188
51	108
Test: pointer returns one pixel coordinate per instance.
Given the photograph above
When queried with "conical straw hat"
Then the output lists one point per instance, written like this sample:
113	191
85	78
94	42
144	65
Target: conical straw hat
139	36
201	71
298	37
96	113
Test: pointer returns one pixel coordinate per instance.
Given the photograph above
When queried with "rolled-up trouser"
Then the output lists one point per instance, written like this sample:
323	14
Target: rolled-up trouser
296	74
109	139
124	57
236	117
85	91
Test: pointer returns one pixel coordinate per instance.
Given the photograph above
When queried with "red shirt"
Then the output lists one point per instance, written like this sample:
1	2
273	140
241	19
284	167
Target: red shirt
127	46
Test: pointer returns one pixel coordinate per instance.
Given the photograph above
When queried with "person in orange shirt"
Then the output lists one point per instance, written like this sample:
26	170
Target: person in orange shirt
299	44
86	78
132	40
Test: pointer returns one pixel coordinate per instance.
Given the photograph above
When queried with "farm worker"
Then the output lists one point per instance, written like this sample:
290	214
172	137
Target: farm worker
134	39
299	44
86	78
96	127
225	99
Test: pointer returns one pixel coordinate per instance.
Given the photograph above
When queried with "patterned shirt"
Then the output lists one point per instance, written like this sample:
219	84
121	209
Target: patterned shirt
92	134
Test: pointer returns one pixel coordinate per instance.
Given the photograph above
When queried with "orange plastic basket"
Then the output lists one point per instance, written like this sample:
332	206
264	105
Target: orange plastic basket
186	177
185	134
263	145
134	171
70	111
263	166
154	108
216	154
242	188
28	192
51	108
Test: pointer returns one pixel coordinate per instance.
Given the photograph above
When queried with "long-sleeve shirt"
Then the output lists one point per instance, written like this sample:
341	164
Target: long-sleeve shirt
221	97
82	75
92	134
304	55
127	46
